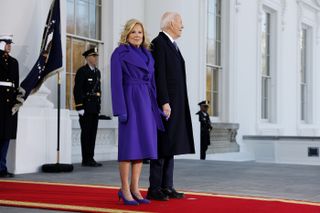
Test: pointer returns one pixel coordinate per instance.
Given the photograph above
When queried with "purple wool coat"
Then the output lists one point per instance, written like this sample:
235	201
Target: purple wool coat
134	102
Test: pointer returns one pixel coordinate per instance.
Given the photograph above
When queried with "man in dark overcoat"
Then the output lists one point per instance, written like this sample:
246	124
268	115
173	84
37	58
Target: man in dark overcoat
206	127
87	93
9	84
173	100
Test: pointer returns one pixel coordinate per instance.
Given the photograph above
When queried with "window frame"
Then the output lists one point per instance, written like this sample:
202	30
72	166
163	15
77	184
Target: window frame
69	101
216	67
306	112
269	116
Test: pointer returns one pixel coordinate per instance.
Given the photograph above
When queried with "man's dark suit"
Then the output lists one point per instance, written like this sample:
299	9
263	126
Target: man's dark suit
171	88
87	94
9	74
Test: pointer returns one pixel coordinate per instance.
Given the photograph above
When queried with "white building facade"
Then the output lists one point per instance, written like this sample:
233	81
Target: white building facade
257	61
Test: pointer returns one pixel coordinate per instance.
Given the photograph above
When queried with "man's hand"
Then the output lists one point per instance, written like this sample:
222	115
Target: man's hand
166	110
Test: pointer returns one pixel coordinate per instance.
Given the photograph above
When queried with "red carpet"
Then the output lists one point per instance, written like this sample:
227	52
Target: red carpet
93	198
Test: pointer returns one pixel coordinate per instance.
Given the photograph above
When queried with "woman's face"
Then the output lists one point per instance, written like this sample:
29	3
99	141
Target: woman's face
135	37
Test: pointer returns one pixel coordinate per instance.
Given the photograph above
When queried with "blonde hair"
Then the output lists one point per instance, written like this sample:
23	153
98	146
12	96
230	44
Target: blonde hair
128	29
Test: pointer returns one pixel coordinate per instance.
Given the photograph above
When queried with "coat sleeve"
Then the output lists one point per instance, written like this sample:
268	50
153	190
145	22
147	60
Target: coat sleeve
78	93
118	101
159	56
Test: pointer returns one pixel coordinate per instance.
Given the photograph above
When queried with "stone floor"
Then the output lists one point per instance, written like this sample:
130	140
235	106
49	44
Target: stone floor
237	178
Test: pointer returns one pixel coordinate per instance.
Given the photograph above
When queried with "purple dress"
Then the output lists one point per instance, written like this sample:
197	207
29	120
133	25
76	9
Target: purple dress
134	102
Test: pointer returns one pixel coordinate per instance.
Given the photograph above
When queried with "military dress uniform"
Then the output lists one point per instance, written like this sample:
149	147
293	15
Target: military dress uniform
9	83
87	96
206	127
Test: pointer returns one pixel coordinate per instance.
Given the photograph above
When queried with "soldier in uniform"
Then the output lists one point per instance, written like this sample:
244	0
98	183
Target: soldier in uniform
205	128
87	93
9	83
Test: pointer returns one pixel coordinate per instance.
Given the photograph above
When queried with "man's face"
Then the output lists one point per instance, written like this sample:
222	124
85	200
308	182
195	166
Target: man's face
204	108
177	26
92	60
7	48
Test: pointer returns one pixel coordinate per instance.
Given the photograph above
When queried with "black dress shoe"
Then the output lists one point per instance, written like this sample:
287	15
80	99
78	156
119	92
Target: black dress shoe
157	195
6	175
91	164
97	164
172	193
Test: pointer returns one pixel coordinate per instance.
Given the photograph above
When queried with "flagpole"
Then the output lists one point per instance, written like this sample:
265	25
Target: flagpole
58	118
58	167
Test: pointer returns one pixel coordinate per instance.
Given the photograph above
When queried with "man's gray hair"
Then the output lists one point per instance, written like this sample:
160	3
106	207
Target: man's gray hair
167	18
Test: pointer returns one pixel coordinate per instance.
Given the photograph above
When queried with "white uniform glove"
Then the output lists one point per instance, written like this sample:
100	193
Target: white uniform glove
81	112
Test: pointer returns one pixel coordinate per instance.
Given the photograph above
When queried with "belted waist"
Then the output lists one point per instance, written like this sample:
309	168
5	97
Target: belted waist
6	84
136	81
154	105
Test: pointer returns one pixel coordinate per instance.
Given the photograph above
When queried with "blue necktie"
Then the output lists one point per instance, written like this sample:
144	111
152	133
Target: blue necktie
175	45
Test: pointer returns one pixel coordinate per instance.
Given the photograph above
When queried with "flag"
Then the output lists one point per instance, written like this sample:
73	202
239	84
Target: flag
50	58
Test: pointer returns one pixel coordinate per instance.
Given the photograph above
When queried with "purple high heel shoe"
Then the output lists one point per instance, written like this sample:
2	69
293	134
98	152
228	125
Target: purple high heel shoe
125	201
141	201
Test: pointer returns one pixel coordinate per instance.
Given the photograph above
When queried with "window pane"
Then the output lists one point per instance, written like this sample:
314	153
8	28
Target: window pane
265	66
218	53
82	17
70	16
211	6
210	52
215	85
209	98
211	26
218	28
213	55
78	60
215	105
92	19
98	23
209	79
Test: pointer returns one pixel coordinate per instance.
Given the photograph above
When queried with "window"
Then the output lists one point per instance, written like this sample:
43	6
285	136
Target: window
213	62
304	72
266	76
83	32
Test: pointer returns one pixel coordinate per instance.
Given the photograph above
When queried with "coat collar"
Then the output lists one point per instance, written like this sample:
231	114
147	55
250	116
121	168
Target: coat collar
167	39
132	57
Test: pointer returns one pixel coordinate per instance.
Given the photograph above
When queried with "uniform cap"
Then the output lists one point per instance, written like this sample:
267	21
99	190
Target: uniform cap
93	51
6	38
204	103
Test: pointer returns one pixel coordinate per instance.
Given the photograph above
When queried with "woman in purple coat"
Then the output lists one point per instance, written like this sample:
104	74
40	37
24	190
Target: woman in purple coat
134	102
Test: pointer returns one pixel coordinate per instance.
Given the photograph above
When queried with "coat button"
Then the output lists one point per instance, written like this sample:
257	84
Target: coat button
8	100
8	90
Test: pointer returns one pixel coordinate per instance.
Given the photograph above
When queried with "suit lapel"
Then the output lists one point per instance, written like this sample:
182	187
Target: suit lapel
172	47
